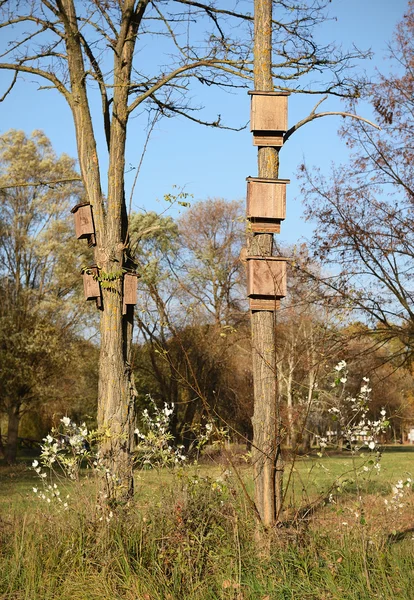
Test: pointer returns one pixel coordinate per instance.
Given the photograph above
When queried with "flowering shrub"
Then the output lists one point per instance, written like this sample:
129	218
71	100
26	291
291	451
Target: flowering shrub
67	447
64	451
209	440
154	447
70	448
349	417
350	413
399	491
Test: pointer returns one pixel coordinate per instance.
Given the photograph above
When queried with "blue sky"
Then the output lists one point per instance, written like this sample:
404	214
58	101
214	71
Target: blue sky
211	162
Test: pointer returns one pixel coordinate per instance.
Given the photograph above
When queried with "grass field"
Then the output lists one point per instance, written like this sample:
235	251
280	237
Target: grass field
190	535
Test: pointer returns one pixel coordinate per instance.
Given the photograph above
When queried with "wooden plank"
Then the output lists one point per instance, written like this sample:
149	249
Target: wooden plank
264	304
267	93
264	138
266	277
265	225
130	288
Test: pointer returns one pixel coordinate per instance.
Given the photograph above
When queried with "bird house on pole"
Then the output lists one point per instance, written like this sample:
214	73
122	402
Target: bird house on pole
266	204
268	117
266	281
84	226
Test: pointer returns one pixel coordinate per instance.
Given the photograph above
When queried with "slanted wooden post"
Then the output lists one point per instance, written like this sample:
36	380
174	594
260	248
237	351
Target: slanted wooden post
267	460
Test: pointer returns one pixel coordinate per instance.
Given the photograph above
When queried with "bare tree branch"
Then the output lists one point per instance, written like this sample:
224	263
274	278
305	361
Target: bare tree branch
35	71
9	89
39	183
220	65
314	115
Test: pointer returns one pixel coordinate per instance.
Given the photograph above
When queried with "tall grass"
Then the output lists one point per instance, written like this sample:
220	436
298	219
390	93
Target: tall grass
195	538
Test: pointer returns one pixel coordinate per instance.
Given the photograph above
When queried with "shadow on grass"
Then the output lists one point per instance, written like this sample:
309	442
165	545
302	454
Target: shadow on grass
399	448
399	536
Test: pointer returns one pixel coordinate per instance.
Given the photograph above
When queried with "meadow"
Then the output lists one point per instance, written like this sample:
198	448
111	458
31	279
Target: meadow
191	534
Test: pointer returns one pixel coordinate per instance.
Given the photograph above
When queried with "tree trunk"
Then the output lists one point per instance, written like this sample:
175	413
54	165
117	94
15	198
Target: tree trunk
305	446
291	434
10	453
116	393
116	390
116	399
266	417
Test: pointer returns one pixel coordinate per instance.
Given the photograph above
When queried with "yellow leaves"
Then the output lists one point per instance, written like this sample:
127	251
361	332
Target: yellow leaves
104	433
32	161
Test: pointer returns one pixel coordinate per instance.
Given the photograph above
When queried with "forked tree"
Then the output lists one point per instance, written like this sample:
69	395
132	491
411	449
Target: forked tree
78	47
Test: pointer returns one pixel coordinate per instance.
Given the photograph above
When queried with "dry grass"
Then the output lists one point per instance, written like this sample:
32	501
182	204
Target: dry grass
198	541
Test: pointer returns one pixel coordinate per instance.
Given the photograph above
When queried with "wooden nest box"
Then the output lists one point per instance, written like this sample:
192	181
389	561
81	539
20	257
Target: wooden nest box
129	290
269	117
84	226
266	282
91	286
266	204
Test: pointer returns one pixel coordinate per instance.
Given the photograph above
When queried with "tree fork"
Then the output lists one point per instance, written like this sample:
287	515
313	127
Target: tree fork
267	462
116	388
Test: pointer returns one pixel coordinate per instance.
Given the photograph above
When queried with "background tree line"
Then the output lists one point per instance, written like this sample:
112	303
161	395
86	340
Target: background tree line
195	352
47	364
193	345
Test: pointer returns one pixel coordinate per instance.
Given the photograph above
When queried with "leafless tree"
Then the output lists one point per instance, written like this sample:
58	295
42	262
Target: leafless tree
364	213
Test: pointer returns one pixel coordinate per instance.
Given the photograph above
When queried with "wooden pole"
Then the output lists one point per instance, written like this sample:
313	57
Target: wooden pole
266	442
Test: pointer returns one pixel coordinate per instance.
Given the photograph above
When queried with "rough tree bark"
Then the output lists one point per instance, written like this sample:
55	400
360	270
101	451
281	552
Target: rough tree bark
116	393
266	429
